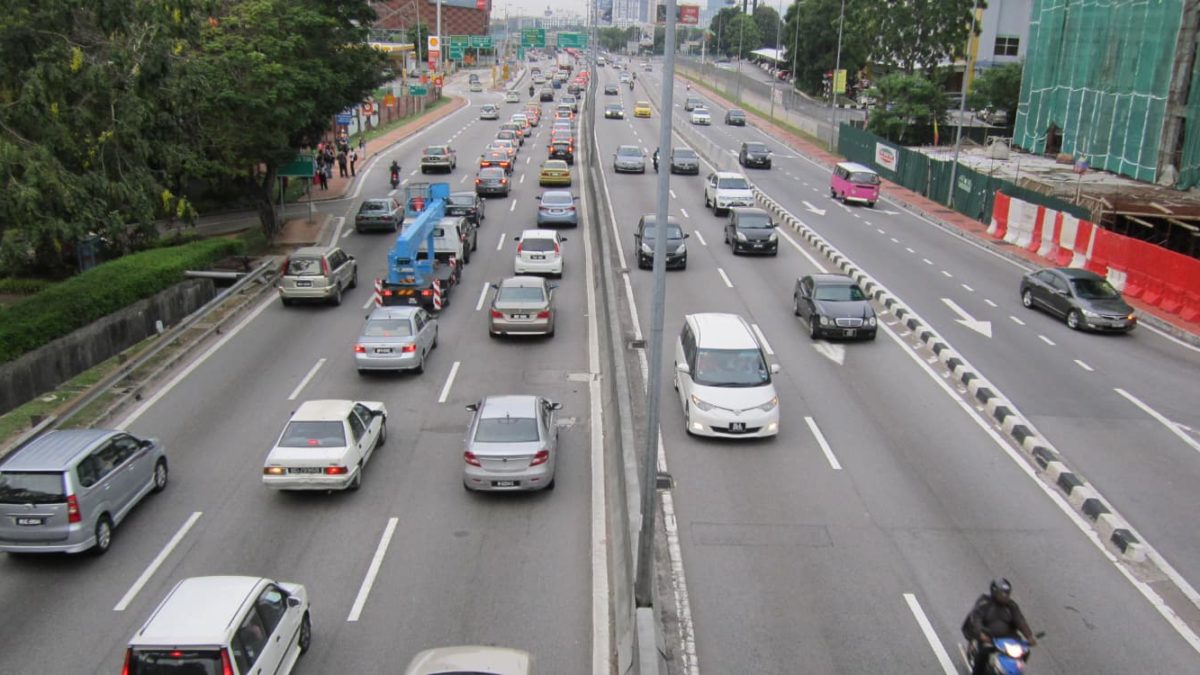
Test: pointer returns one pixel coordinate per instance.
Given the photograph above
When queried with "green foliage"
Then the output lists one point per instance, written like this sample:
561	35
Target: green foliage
917	35
810	38
615	38
102	290
20	286
906	107
998	88
768	23
734	32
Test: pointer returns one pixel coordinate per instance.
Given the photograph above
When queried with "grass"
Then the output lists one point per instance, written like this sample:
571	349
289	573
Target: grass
382	129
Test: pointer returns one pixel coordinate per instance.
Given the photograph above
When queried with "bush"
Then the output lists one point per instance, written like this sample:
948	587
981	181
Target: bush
17	286
64	307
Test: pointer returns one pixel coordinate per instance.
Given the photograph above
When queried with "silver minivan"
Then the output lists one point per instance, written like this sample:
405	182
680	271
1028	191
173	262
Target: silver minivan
64	492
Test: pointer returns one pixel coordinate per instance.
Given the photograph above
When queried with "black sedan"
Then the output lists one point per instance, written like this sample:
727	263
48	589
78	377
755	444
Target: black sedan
466	204
755	154
833	306
1084	298
610	90
735	117
492	180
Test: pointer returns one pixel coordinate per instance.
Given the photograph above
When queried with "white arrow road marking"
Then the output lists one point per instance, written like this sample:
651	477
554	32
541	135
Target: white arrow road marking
835	353
813	209
984	328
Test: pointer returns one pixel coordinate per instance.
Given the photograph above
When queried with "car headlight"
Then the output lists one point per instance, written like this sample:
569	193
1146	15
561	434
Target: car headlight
769	405
701	403
871	321
826	321
647	249
772	237
1090	314
681	249
741	236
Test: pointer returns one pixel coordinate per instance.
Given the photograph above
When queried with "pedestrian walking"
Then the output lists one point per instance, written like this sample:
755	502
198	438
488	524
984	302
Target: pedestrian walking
362	144
324	176
341	160
353	161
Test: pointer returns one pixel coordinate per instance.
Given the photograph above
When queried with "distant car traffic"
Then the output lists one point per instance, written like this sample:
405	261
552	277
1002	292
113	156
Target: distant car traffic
1085	299
322	273
614	111
466	204
325	445
701	116
554	172
735	117
756	154
471	659
645	241
539	251
512	97
488	111
492	181
439	158
629	158
641	109
685	160
751	230
611	90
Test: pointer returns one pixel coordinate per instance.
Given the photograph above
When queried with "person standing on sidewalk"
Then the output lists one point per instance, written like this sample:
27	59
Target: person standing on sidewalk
341	160
362	145
353	161
324	175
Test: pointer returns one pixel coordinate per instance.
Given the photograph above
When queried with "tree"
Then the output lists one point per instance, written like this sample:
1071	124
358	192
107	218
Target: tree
998	88
906	108
815	52
741	36
767	20
920	34
418	35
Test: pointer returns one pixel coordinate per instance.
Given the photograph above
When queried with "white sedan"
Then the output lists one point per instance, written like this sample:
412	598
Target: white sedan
701	116
512	97
325	445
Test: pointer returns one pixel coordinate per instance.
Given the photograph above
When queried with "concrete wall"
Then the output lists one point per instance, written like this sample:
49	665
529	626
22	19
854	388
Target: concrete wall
44	369
1009	18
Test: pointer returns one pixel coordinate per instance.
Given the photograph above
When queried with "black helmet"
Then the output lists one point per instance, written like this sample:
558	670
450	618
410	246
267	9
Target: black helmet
1001	586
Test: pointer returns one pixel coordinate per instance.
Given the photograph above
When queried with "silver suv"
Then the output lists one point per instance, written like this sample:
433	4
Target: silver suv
317	273
65	491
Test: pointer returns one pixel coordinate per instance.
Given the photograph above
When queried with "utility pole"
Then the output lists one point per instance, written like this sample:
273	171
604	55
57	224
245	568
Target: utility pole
962	107
441	47
795	40
741	35
778	29
833	80
644	585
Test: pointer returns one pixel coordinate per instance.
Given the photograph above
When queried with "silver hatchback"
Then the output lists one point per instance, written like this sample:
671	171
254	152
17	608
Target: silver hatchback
65	491
395	338
511	444
317	273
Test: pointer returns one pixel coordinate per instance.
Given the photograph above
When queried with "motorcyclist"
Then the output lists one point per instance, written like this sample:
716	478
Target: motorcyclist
995	615
531	91
394	172
656	160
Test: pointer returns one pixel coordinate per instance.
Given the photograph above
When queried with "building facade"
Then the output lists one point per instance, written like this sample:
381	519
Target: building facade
459	17
1003	33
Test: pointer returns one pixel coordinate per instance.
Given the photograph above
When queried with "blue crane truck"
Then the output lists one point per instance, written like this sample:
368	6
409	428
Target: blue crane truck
414	276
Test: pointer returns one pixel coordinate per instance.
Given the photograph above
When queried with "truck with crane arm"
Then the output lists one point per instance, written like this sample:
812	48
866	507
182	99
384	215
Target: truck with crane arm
416	275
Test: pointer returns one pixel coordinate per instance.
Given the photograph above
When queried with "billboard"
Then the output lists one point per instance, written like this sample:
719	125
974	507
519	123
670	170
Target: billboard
688	15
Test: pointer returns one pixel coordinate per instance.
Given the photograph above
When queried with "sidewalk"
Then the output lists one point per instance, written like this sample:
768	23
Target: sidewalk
946	218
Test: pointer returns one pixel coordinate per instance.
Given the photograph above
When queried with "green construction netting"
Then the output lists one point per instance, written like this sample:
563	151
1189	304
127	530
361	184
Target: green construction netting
1189	167
1100	71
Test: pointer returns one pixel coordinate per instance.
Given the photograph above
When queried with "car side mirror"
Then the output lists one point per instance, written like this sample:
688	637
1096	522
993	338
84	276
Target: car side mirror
556	406
683	369
774	368
145	443
686	235
495	286
293	601
562	238
473	407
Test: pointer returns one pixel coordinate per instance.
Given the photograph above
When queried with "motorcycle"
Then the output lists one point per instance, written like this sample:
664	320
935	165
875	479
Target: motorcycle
631	85
531	91
1009	658
395	179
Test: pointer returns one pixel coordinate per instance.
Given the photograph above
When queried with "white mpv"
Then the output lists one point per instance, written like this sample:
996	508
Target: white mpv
723	379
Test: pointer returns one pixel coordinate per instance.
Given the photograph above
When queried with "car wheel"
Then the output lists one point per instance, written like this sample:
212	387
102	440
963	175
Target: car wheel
706	202
304	639
362	373
359	230
435	337
871	205
357	482
550	485
683	265
1074	322
354	279
382	434
420	365
795	305
493	334
337	296
286	302
768	165
160	475
687	419
832	194
813	332
1027	298
104	531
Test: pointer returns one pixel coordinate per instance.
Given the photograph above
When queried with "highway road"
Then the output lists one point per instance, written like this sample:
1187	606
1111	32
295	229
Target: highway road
792	557
458	568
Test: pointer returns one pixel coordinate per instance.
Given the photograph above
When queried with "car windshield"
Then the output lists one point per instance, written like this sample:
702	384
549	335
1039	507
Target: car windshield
176	662
839	293
313	435
435	151
685	154
494	174
557	198
736	113
730	368
864	178
369	206
755	147
304	267
613	106
520	294
673	231
734	183
629	151
388	328
507	430
1094	289
561	145
755	223
462	200
537	244
21	487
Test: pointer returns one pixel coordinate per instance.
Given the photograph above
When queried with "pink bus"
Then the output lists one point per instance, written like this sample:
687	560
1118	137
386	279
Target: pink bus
854	183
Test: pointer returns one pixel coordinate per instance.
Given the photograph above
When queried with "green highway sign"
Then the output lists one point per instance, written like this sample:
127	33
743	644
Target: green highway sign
417	90
456	52
459	40
575	40
533	37
480	41
301	167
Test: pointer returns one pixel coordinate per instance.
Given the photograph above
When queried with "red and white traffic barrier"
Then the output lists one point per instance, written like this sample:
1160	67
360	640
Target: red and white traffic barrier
437	295
378	292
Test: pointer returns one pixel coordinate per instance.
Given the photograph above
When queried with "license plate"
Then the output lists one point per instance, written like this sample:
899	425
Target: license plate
737	426
26	521
849	332
382	350
758	245
518	316
305	469
504	483
556	212
536	257
303	284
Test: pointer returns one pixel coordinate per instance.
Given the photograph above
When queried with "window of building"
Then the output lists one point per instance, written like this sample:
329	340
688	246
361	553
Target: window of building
1007	45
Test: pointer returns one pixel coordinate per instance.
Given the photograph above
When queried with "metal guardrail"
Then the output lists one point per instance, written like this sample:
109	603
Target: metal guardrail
102	387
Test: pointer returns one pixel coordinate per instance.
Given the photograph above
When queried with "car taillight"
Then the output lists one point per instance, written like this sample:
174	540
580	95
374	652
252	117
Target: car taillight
544	314
425	293
336	471
359	349
503	181
226	663
520	247
283	267
408	349
556	249
497	314
387	294
324	267
73	514
274	471
541	457
128	656
477	181
470	458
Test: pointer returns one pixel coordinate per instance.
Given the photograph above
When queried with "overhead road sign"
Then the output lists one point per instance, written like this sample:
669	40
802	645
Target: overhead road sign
479	41
573	40
533	37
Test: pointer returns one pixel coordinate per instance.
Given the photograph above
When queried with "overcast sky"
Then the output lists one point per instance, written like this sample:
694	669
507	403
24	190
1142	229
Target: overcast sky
537	7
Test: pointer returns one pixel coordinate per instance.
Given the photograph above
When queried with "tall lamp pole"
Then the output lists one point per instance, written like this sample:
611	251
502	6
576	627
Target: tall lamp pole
778	29
741	35
795	39
833	80
962	106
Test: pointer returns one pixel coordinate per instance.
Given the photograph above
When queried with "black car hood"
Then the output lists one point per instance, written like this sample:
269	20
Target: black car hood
845	309
1106	305
756	154
756	234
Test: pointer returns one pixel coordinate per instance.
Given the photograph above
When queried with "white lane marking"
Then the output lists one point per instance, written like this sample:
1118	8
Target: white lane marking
522	180
1085	366
895	240
512	207
990	303
672	193
1162	419
947	274
878	229
1016	320
685	213
909	250
157	562
373	570
1046	339
527	160
449	381
337	230
347	233
482	296
311	372
833	352
392	192
413	172
816	432
927	261
141	410
700	237
931	637
404	182
370	301
763	339
968	288
464	178
725	277
500	244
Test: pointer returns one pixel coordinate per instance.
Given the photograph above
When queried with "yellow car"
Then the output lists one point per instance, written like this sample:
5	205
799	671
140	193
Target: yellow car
641	109
554	172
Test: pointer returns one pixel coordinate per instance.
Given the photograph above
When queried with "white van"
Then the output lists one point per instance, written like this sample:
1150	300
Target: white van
723	379
223	624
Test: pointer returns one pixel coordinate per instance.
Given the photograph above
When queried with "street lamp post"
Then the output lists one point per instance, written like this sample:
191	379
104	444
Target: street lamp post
741	35
778	29
962	108
833	80
795	40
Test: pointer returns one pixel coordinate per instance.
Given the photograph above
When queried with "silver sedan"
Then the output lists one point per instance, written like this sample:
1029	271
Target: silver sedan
557	207
511	444
522	305
395	338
